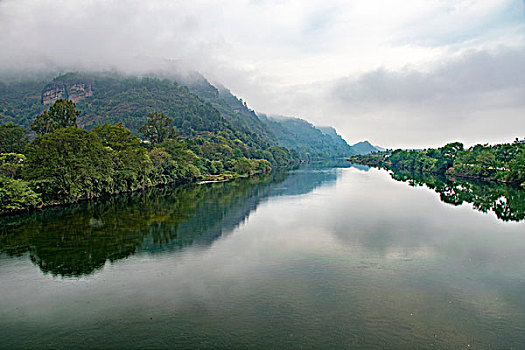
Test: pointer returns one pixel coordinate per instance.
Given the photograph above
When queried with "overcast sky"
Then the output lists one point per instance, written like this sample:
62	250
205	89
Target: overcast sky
398	73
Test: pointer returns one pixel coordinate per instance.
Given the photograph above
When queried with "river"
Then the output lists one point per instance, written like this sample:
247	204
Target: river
317	258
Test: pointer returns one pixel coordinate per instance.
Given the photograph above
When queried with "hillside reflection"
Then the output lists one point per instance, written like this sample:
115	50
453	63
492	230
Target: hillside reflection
77	240
506	201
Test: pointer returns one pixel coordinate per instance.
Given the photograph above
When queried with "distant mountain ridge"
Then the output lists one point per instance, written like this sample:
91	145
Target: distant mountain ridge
294	133
364	147
310	141
197	107
232	109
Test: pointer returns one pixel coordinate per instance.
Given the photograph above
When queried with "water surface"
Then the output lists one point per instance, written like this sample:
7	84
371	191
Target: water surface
320	258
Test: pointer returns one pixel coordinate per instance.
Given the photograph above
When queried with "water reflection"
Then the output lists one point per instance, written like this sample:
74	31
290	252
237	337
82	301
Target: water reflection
326	259
77	240
506	201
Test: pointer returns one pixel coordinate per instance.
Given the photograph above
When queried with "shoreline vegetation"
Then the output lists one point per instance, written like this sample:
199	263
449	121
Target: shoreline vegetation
66	164
503	163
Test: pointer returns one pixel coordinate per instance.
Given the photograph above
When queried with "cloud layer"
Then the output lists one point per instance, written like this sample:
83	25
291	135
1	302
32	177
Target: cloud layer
400	74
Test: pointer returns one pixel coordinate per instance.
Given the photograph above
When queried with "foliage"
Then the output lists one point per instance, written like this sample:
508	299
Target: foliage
501	162
66	164
158	128
12	138
216	167
263	166
130	162
244	166
174	163
20	101
73	163
213	120
11	164
16	195
61	114
234	110
70	164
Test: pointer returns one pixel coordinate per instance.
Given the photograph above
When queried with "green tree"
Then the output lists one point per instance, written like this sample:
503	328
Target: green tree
263	166
517	168
487	162
12	138
177	150
216	167
16	195
447	155
280	155
131	162
244	166
71	163
158	128
61	114
181	162
11	164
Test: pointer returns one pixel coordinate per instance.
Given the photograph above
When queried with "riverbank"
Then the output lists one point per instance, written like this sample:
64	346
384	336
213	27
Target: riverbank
503	163
202	179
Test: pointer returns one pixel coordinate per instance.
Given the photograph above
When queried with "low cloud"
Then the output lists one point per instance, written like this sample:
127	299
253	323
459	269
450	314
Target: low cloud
129	36
400	74
463	78
476	97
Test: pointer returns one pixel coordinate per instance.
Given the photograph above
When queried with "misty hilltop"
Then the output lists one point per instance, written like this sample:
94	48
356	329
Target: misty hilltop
365	147
197	107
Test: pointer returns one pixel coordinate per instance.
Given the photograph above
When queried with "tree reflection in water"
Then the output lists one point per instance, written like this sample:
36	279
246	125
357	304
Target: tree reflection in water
76	240
506	201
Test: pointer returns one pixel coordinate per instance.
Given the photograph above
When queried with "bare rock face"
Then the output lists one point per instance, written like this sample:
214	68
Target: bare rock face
53	92
70	91
78	92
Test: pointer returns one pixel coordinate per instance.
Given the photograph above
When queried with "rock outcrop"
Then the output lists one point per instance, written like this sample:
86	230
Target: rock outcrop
70	91
53	92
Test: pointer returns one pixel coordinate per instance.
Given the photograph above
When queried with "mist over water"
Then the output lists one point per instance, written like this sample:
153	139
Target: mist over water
322	258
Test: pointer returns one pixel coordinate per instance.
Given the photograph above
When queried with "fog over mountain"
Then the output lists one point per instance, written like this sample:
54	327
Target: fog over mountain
410	74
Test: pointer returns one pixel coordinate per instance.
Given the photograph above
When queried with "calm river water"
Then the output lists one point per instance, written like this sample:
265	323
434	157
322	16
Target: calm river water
320	258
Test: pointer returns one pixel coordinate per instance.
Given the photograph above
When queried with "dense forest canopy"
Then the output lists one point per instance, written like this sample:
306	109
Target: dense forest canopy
65	163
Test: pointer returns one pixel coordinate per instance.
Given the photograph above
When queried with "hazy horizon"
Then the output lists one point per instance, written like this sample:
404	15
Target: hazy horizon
412	75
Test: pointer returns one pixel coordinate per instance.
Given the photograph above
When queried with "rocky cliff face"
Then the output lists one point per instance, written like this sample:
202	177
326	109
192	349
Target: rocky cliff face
70	91
53	92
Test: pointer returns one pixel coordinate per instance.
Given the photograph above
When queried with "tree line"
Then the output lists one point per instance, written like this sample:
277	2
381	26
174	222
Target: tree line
501	162
65	163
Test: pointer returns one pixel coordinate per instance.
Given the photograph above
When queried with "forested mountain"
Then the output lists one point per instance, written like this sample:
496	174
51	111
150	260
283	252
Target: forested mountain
233	109
111	98
294	133
198	108
337	139
87	128
365	147
311	142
